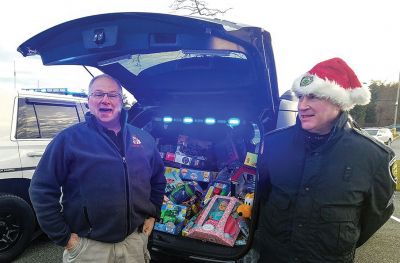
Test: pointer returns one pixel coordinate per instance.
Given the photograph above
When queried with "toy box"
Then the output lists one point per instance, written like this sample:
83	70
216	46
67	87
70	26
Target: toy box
173	179
193	147
195	175
183	194
172	218
169	156
251	159
216	188
243	181
198	162
216	223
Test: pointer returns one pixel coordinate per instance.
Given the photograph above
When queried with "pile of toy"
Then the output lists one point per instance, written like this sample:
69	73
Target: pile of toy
209	191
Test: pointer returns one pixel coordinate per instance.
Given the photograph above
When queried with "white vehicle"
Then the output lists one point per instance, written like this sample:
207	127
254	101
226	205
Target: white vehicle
29	121
383	135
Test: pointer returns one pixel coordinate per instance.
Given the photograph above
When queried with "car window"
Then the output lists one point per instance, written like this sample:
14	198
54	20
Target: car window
27	127
44	120
52	119
136	63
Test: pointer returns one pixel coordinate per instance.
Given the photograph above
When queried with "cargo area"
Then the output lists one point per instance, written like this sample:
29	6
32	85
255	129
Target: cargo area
210	169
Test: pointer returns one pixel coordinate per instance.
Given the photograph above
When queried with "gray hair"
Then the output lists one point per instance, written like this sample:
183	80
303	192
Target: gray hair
105	76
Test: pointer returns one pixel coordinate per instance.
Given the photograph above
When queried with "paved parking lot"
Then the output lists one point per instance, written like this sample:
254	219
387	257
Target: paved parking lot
382	247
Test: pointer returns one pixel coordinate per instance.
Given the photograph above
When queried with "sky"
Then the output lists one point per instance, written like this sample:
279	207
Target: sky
366	34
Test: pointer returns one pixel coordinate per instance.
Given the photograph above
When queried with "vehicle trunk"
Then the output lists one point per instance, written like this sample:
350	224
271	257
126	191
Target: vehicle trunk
227	152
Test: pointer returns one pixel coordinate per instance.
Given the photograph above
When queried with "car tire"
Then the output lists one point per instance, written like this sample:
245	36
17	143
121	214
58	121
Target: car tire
17	224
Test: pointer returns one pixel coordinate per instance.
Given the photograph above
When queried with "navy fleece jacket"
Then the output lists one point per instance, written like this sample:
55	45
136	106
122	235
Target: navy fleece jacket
84	185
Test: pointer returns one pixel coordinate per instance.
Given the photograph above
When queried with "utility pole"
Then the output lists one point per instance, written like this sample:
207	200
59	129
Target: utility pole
396	104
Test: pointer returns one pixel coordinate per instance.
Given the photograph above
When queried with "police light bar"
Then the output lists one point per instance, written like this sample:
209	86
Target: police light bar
187	120
209	121
167	119
233	122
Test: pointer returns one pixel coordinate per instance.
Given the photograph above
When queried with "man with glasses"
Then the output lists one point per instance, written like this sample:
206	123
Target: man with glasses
109	176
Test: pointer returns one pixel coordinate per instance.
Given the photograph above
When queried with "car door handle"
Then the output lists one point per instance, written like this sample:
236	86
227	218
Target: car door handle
35	154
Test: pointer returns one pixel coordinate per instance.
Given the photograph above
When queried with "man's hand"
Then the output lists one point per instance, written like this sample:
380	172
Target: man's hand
148	225
72	242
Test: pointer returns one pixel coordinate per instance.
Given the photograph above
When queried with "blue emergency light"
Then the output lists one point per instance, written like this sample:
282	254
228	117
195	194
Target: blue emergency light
187	120
209	121
167	119
233	122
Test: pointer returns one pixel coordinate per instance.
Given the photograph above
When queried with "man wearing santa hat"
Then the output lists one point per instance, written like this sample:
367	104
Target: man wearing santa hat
329	185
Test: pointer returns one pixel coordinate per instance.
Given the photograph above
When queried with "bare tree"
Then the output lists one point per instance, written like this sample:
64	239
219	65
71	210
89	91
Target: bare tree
197	7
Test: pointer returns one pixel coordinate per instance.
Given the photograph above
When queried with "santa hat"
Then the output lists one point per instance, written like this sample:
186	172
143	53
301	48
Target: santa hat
334	80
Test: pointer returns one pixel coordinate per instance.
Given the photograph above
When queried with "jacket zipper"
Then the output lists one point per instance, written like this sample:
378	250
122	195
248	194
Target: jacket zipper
128	217
128	224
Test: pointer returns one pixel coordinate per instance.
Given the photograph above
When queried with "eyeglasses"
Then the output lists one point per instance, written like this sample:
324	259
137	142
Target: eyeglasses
98	95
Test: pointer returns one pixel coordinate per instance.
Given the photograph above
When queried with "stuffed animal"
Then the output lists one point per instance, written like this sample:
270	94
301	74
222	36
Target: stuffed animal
244	209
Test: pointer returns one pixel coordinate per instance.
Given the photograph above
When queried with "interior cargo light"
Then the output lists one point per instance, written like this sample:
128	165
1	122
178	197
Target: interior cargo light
233	121
187	120
167	119
209	121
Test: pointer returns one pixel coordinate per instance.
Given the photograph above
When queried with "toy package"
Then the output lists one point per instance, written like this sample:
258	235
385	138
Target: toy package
193	147
216	222
183	194
251	159
172	218
173	179
195	175
243	181
216	188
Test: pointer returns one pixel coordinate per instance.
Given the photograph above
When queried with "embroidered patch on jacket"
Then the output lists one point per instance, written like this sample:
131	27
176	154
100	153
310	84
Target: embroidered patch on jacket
306	80
136	142
393	170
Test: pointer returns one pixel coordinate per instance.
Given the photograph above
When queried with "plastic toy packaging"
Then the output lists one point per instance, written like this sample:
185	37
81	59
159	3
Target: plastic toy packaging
216	223
172	218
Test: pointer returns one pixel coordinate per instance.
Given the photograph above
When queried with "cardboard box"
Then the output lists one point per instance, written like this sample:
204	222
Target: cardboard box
251	159
216	223
193	147
198	162
195	175
173	179
172	218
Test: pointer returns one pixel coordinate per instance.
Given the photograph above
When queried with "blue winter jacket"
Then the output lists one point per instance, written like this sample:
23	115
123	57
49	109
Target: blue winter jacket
105	195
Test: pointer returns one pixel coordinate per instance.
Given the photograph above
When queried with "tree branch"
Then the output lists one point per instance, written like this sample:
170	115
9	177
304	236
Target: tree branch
197	7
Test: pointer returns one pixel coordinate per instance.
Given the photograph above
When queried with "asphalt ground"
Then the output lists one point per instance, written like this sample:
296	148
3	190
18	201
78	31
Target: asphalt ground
383	246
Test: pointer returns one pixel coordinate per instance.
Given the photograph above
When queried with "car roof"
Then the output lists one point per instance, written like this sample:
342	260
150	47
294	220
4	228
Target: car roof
200	64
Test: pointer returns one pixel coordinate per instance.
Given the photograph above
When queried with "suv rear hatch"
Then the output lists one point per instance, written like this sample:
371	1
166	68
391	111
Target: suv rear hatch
206	90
